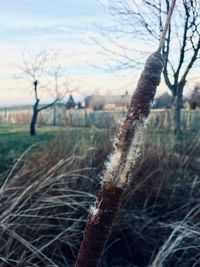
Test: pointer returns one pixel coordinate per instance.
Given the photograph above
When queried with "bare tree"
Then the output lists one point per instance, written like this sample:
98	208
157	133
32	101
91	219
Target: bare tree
142	22
35	66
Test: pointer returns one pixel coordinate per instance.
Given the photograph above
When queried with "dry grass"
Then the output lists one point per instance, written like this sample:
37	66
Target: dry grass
44	204
45	201
158	224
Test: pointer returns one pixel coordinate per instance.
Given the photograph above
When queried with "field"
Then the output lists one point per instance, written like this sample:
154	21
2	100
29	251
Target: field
15	139
47	192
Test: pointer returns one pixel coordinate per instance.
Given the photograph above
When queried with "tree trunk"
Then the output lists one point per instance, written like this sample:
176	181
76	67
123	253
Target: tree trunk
54	114
177	113
34	119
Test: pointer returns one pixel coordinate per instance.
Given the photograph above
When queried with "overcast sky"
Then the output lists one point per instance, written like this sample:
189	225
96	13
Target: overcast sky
62	25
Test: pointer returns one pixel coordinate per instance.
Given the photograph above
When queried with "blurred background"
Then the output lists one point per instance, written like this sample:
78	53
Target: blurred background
68	72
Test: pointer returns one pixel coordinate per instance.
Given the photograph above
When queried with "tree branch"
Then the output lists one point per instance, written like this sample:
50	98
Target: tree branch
48	106
184	42
193	59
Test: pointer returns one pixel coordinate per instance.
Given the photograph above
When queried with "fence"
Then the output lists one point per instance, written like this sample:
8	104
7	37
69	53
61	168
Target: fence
102	119
24	115
190	119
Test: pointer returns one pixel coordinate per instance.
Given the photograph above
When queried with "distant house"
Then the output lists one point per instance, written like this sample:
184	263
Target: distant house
108	102
117	102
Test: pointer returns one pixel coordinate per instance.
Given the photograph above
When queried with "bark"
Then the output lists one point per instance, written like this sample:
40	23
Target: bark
177	114
178	101
54	114
36	110
34	118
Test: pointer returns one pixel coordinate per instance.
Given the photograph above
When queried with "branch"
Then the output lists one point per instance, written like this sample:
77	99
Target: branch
166	60
194	57
182	52
48	106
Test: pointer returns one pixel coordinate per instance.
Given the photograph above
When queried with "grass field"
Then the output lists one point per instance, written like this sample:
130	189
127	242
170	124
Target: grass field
15	139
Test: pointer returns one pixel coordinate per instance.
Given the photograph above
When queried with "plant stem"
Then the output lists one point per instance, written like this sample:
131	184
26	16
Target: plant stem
115	180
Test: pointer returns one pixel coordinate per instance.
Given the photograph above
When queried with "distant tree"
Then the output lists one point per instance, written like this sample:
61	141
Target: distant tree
88	100
126	93
79	105
194	100
163	101
35	66
36	109
70	103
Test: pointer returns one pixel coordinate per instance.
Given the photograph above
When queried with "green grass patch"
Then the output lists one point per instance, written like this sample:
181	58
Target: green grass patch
15	139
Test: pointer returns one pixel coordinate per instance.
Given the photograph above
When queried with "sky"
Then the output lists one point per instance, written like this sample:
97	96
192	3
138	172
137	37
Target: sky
64	26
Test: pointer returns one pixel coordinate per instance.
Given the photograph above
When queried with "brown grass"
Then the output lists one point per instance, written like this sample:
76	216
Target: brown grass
44	204
45	201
